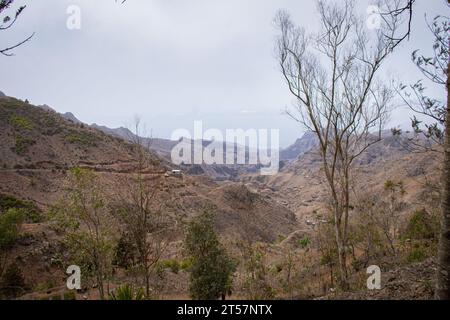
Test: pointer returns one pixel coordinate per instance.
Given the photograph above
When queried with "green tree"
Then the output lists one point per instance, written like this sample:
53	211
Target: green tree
88	226
212	269
10	222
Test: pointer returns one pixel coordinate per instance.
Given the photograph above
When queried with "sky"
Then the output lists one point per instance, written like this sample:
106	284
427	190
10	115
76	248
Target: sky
172	62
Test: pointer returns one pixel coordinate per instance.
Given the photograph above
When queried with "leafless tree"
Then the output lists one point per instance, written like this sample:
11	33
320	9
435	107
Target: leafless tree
435	69
443	277
8	22
429	136
142	209
333	78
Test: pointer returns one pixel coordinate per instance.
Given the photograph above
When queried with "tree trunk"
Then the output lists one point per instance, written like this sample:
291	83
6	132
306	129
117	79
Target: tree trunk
342	259
147	282
443	285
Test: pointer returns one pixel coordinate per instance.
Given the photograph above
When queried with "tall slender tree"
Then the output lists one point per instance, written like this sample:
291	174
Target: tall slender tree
333	78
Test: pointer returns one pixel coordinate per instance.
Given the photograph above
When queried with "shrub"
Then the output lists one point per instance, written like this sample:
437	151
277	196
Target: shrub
81	139
171	264
417	254
10	222
31	212
21	122
127	292
186	264
261	290
12	283
125	252
304	243
22	144
45	286
420	226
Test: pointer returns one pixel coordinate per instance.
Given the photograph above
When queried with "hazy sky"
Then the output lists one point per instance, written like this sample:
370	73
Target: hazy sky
171	61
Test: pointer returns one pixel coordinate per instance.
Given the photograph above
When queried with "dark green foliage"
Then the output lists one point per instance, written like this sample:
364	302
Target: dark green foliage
304	243
125	252
212	269
420	226
10	222
30	211
418	253
81	138
12	283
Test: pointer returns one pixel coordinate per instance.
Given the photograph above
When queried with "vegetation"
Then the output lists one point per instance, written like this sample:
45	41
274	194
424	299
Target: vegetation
7	22
420	226
10	222
81	139
141	213
12	282
132	239
127	292
31	213
340	100
212	269
20	122
87	226
256	284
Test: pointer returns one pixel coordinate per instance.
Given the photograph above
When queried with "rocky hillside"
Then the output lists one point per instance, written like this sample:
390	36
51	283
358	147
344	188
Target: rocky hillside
301	187
307	142
39	146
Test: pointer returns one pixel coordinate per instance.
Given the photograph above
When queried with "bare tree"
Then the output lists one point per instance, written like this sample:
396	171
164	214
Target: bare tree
8	22
338	96
443	281
434	69
142	209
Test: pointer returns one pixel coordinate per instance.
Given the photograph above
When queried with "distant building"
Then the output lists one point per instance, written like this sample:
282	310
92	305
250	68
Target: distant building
174	173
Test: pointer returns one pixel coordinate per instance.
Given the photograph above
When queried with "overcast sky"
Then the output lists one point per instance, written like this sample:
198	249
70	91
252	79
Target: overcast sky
172	61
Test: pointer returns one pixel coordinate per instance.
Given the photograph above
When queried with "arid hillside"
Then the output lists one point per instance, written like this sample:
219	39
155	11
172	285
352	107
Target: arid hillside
38	149
279	217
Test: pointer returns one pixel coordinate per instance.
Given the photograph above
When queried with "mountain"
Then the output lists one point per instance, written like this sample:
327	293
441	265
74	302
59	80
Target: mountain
39	147
307	142
70	116
163	148
300	185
